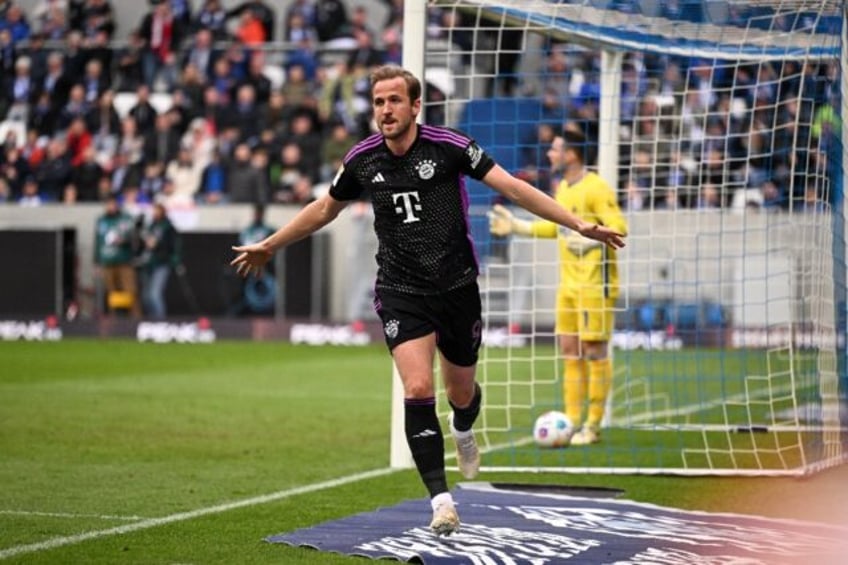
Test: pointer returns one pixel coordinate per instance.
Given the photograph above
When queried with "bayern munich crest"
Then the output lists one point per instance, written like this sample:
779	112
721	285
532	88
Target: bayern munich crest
426	169
391	328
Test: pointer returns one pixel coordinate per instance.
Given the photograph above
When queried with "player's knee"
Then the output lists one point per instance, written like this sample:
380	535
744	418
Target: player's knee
418	389
594	350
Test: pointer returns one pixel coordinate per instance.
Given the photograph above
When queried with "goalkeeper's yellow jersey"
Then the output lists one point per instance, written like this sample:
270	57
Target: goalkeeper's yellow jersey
595	271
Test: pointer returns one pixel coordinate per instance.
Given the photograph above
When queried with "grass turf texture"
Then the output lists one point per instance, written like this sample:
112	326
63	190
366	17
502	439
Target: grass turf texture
114	428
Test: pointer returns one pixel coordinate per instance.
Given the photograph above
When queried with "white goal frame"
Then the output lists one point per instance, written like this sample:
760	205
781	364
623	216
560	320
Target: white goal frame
728	47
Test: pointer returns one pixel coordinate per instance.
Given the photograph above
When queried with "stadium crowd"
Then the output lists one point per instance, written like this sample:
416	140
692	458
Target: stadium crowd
216	116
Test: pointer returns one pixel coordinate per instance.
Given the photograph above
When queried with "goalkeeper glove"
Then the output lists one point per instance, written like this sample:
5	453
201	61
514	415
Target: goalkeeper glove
502	223
579	245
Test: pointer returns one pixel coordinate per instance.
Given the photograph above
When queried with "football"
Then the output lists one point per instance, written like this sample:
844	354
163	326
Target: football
553	429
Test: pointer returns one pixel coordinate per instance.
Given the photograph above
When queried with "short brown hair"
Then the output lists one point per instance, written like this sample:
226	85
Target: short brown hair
388	72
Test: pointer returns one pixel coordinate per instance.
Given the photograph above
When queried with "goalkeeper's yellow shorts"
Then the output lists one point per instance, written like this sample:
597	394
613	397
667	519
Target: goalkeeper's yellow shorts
589	316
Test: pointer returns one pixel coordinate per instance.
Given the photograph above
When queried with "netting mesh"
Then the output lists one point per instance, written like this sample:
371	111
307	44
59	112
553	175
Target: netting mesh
719	127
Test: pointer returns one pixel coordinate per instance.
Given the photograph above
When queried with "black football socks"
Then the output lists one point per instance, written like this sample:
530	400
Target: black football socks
426	443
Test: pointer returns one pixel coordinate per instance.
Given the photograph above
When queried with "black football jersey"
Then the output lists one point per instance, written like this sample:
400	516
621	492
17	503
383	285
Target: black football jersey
420	207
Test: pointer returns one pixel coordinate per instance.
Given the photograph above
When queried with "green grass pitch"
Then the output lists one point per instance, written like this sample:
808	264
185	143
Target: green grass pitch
95	435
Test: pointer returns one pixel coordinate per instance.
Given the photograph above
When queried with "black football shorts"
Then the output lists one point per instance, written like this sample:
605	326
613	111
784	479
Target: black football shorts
455	317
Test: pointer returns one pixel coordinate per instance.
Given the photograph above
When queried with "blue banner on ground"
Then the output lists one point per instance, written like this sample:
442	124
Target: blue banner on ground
511	527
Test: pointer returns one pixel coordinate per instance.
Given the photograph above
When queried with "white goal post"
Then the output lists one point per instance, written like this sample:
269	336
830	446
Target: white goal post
719	125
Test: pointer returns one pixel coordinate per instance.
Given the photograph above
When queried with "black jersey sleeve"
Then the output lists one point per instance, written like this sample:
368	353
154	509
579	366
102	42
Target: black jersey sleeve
474	160
345	186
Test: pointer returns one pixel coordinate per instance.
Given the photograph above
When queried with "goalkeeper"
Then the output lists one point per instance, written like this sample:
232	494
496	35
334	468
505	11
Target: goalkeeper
588	280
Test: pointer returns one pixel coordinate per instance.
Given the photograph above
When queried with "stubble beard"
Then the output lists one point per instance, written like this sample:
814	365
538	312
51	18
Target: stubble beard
399	131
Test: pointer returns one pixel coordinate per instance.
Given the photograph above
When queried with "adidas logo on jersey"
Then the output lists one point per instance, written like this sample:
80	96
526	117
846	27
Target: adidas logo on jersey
378	178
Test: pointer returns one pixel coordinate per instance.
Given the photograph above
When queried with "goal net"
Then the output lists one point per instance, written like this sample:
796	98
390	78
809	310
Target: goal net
718	126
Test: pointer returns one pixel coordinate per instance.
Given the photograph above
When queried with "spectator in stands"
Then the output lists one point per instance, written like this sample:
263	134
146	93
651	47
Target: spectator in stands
303	132
364	54
163	142
123	174
182	12
30	196
18	92
261	11
185	174
161	253
37	52
51	20
298	89
56	83
8	53
162	34
75	13
250	31
255	77
245	183
75	107
15	21
130	69
94	82
710	197
42	116
223	80
213	181
345	98
245	114
98	49
201	53
14	169
335	146
151	186
78	139
75	55
114	252
179	113
103	120
287	174
773	197
143	111
212	17
54	173
275	114
302	10
131	142
392	47
199	141
97	16
300	24
331	21
85	178
535	166
558	77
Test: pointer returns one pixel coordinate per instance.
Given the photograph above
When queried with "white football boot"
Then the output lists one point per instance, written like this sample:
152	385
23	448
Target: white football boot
467	454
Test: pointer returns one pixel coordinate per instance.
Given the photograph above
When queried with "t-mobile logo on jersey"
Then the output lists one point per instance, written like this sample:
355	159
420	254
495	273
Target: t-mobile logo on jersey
407	203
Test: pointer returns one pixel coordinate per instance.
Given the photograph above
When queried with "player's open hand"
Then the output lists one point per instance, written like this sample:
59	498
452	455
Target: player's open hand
250	259
603	234
500	221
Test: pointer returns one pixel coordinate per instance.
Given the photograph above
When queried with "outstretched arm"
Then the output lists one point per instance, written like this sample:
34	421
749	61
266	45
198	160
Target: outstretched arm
542	205
314	216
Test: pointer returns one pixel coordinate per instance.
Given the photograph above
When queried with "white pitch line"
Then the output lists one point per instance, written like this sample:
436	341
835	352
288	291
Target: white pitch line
182	516
69	515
